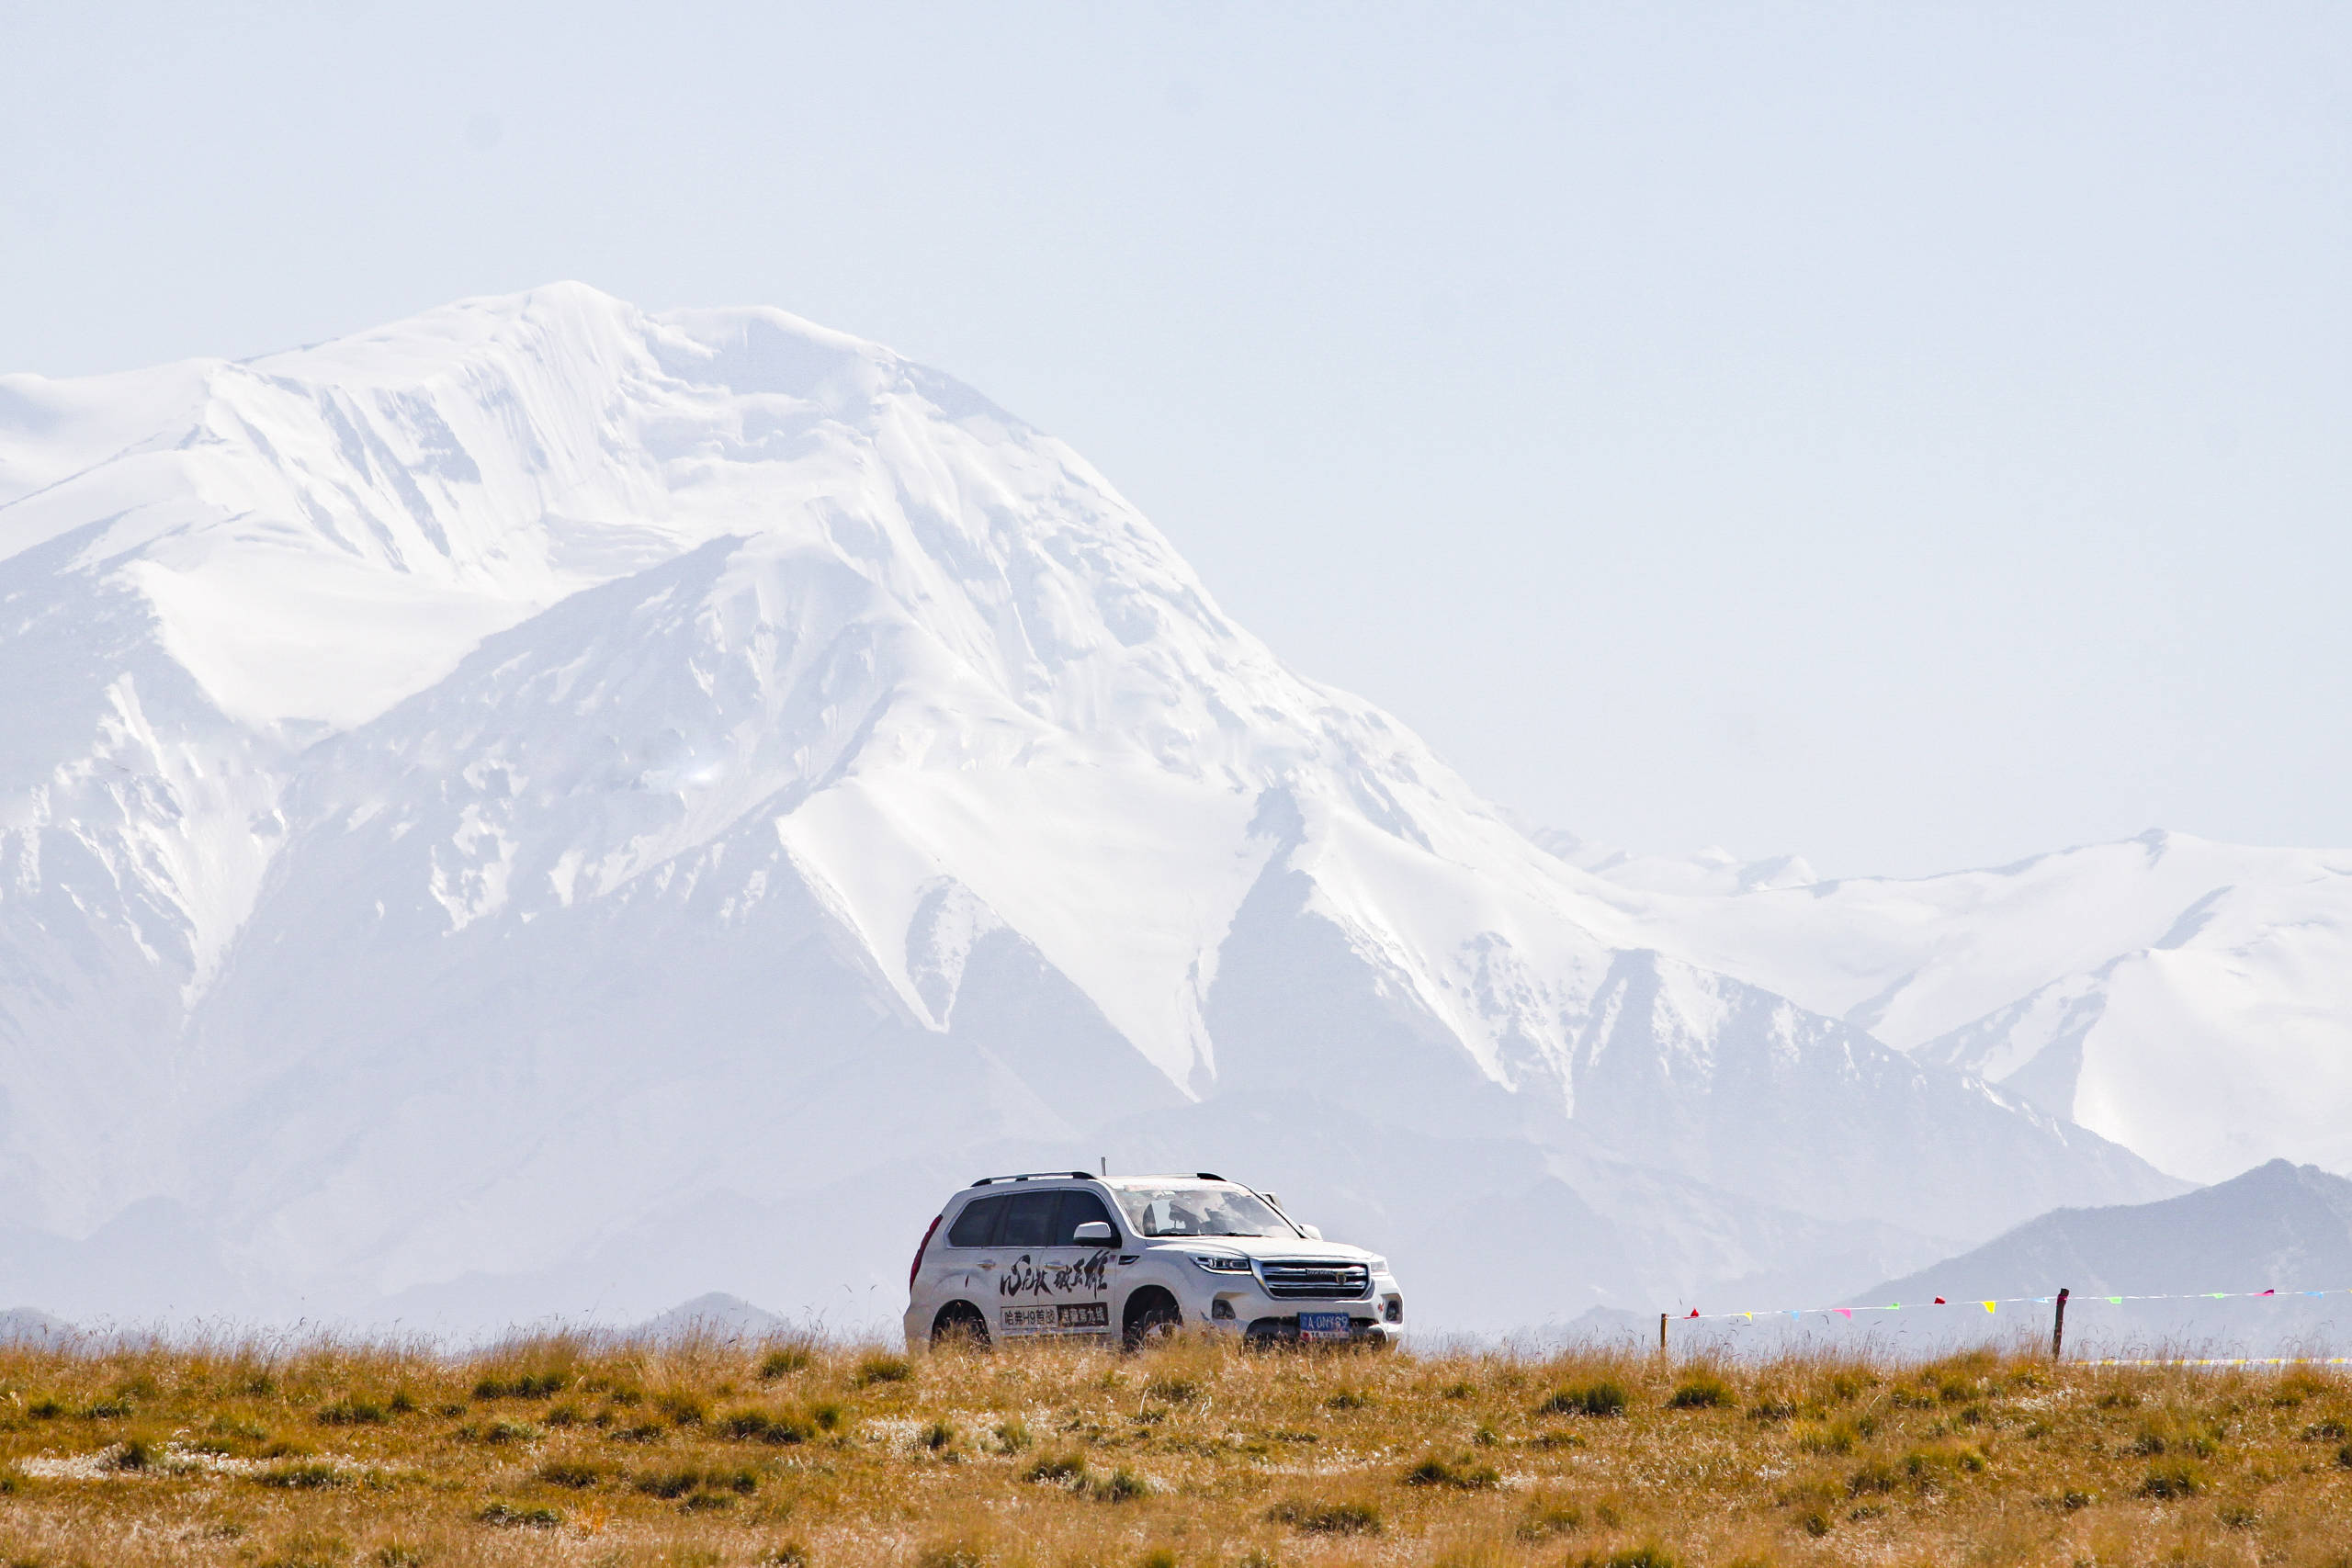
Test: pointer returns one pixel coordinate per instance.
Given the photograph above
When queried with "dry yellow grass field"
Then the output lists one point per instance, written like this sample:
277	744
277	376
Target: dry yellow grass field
565	1450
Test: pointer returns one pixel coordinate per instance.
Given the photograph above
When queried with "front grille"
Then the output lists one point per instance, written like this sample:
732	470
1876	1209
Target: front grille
1307	1279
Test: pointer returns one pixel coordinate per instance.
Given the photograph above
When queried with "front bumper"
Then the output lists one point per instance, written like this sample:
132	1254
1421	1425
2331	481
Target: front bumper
1368	1332
1246	1311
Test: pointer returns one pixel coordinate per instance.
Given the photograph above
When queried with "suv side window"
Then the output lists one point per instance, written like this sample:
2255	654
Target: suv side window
1029	1219
979	1224
1077	1208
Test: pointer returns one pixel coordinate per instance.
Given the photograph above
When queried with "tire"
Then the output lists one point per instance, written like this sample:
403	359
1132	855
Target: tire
1152	1318
960	1322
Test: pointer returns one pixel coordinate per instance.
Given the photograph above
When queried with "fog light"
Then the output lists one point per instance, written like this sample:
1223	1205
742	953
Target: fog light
1221	1309
1395	1310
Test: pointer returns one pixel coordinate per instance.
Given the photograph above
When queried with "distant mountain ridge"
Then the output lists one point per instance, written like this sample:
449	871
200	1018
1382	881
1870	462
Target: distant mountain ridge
2279	1228
544	807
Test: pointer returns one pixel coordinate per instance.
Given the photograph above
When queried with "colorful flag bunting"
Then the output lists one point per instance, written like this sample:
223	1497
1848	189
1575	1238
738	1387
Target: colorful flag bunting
1992	1304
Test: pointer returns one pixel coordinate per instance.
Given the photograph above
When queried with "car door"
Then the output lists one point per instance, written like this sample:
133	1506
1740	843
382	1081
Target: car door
1081	1272
1025	1254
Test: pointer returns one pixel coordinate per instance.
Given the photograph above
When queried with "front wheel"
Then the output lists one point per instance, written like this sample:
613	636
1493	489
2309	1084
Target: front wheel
1152	1317
960	1322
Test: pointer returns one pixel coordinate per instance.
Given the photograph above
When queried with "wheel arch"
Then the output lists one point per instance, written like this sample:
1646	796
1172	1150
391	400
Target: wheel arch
956	1313
1145	1298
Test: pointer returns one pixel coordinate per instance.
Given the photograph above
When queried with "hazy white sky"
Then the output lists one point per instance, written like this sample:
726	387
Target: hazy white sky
1912	435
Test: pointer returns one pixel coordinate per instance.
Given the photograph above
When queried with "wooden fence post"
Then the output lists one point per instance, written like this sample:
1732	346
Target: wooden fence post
2058	1327
1661	1333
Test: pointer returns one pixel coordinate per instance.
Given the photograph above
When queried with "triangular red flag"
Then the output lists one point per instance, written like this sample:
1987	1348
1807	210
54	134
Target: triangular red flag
1695	1311
1940	1300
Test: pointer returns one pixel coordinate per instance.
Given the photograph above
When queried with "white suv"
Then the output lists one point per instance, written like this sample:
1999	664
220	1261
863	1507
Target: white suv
1067	1253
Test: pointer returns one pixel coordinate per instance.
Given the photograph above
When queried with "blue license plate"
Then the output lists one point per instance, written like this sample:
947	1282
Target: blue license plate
1324	1326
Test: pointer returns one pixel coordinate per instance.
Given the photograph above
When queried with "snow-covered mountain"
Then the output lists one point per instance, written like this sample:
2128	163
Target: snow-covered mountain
547	808
2188	999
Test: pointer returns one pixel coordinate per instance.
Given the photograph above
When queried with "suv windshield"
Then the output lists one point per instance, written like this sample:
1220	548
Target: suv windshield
1196	1210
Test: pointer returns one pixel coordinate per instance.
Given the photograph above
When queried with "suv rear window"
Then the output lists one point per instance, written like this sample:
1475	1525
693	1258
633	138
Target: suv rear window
1028	1219
977	1226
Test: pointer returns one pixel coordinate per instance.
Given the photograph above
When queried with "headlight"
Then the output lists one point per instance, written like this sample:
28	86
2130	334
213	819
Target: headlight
1377	1265
1220	1262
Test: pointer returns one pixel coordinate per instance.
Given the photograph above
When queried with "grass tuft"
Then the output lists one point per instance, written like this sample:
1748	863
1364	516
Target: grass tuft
784	1360
351	1412
310	1475
1873	1479
1544	1520
572	1473
1122	1486
1604	1397
776	1428
1311	1517
1700	1390
521	1385
1463	1475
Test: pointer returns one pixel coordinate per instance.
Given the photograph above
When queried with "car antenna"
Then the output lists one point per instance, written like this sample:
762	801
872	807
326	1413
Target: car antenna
1106	1165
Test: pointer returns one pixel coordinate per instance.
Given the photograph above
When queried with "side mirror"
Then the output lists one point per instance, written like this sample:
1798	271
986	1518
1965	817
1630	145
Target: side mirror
1095	1232
1314	1233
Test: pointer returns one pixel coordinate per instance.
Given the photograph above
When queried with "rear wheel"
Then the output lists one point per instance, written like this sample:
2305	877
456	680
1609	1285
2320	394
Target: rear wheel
960	1322
1152	1317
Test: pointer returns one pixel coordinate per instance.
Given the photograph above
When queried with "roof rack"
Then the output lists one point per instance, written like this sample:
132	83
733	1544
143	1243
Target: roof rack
1039	1176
